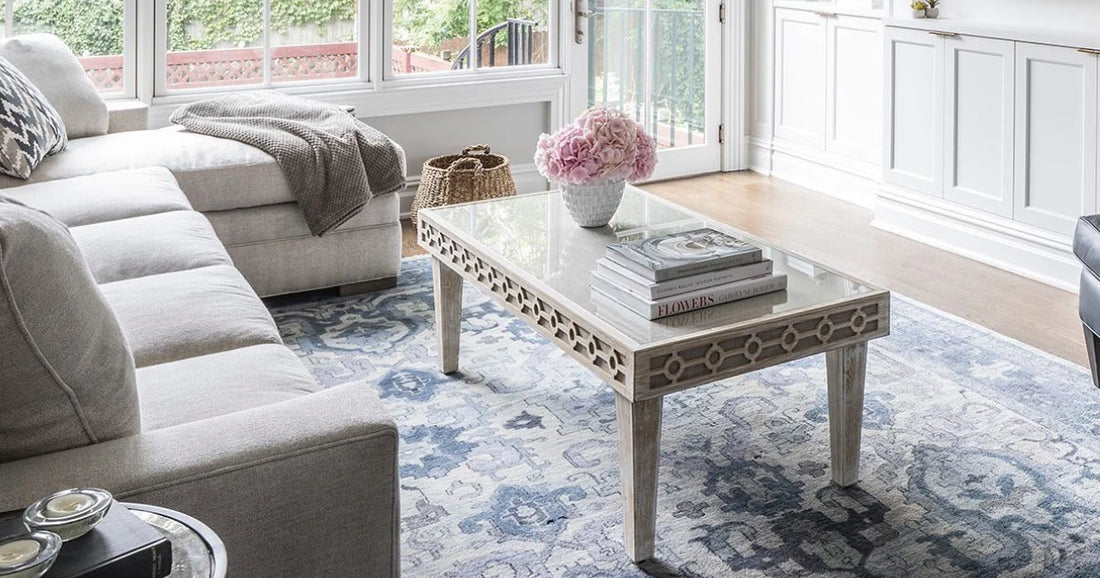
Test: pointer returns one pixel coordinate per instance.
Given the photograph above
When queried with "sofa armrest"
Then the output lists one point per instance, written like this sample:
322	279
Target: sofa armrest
305	487
127	115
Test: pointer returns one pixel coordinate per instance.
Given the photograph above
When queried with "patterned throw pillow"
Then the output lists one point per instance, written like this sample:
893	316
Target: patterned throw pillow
30	129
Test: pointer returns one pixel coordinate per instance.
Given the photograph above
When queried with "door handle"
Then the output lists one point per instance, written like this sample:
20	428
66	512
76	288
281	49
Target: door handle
1088	51
581	14
944	34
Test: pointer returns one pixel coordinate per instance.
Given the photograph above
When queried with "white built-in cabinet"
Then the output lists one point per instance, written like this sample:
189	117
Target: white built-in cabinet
828	81
1005	127
1056	143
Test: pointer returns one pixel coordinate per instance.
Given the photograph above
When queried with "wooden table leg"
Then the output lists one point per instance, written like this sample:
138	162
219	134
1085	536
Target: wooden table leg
639	451
846	368
448	314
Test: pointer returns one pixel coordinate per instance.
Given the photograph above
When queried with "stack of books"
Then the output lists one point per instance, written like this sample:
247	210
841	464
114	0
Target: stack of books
680	272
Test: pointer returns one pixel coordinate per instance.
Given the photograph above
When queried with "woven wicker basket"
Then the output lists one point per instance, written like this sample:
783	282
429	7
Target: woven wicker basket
452	179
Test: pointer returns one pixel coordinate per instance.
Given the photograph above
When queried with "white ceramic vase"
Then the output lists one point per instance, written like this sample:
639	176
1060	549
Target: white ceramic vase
918	14
593	205
932	12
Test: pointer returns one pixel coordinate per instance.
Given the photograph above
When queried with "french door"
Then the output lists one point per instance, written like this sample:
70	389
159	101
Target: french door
660	61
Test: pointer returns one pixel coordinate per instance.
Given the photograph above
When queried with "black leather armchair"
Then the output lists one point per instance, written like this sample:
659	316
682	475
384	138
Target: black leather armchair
1086	245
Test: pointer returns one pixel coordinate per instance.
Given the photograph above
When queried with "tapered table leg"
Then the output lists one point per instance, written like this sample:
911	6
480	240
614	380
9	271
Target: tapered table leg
448	314
846	368
639	450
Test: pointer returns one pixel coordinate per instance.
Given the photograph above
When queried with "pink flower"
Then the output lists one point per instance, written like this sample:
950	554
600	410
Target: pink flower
601	145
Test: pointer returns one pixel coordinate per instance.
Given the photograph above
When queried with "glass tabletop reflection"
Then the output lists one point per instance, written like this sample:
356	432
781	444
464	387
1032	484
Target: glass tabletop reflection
534	235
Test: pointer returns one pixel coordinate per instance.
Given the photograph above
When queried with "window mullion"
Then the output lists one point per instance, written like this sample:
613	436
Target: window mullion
267	43
475	51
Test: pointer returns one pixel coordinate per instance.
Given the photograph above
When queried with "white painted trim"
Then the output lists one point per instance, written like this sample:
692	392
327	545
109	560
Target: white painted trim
526	176
828	173
760	155
997	241
735	50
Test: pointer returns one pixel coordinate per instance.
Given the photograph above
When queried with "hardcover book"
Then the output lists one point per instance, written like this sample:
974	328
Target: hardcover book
121	546
659	308
652	290
681	254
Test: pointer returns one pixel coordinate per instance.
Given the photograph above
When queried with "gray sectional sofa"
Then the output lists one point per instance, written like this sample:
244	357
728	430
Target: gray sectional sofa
137	358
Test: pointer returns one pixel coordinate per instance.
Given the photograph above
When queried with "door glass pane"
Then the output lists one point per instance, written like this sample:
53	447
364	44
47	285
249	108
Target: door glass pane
428	35
512	32
678	70
91	28
667	93
313	41
213	44
616	56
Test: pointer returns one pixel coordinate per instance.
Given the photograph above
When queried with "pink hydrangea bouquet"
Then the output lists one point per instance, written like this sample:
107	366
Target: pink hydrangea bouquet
601	145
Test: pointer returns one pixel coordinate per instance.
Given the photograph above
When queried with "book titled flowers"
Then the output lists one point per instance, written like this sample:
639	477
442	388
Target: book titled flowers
680	254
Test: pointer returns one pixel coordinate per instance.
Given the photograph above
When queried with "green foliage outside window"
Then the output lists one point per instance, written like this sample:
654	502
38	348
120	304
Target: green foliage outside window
94	27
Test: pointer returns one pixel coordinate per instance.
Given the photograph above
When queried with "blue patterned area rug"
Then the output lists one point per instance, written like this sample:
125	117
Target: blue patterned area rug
981	456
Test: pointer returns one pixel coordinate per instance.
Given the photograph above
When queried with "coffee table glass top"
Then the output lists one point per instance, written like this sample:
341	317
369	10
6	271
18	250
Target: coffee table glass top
535	236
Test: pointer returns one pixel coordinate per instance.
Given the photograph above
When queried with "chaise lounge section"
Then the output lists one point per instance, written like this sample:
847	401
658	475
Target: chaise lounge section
239	188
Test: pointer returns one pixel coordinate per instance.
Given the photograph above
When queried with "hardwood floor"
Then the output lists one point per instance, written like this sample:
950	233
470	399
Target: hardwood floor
840	235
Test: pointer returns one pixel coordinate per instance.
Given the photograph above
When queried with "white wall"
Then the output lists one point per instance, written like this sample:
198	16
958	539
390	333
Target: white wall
510	130
1073	14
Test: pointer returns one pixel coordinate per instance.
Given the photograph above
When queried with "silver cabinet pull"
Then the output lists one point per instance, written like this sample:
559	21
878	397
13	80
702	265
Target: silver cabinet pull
1088	51
944	34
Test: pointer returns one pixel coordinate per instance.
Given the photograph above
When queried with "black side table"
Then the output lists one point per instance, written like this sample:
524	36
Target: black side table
197	552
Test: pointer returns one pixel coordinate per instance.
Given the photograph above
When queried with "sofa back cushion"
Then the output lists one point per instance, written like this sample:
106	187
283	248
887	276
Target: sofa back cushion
30	128
54	69
66	371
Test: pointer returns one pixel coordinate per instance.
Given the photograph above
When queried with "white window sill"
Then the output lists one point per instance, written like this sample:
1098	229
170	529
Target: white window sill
398	97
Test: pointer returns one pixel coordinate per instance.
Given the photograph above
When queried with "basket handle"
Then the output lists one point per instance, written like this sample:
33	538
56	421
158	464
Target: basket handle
468	163
478	147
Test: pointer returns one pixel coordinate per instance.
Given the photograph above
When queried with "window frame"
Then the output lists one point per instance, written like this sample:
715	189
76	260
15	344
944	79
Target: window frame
553	52
129	48
160	60
375	22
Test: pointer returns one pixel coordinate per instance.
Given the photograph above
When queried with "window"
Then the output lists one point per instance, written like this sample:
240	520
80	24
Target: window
93	29
226	43
433	36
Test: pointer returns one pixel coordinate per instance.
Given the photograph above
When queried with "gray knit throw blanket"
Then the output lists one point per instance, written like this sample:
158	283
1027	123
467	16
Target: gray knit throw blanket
334	163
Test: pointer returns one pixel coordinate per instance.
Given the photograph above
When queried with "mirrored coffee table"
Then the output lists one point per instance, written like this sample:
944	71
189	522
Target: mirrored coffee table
528	255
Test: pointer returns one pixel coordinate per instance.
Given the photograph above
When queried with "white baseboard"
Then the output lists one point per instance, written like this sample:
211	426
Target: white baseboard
527	178
760	155
835	175
997	241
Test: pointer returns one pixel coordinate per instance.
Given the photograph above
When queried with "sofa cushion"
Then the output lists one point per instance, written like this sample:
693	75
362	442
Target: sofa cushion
149	245
30	129
174	316
53	68
66	373
104	196
216	174
285	221
227	382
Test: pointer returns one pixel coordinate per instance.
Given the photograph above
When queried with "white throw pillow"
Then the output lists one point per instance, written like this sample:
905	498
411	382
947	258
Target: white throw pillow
53	68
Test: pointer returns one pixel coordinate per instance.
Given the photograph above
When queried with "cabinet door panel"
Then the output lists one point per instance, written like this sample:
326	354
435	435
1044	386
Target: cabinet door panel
800	77
914	106
1056	94
854	92
980	91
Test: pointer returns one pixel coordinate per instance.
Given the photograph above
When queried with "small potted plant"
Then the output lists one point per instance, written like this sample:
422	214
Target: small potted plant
933	9
919	8
592	159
